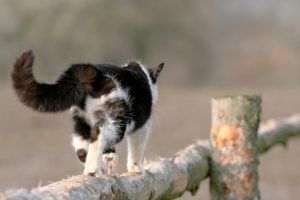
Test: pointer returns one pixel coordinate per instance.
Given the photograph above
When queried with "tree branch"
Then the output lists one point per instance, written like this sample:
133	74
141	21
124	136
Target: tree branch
273	132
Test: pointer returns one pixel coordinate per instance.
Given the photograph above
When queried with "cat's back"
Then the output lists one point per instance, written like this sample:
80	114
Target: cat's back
132	81
130	77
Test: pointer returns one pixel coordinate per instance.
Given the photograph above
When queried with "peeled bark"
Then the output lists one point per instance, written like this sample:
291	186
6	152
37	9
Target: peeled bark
234	158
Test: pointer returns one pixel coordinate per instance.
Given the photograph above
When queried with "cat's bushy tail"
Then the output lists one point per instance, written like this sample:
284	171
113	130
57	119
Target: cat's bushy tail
68	90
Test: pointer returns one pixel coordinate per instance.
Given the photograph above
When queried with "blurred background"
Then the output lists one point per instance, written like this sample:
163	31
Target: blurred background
210	48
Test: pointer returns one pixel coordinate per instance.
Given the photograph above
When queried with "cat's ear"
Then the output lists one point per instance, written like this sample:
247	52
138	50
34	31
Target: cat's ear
155	71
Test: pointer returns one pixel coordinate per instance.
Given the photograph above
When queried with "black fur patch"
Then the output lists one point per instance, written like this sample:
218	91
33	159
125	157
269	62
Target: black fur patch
81	127
109	149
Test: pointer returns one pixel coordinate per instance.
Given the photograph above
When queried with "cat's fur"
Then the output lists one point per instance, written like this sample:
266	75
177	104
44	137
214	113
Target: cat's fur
107	103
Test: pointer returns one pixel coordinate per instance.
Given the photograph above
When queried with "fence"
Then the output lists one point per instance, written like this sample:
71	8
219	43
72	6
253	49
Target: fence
229	159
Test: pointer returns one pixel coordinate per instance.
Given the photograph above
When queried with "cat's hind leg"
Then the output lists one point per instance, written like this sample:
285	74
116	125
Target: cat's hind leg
136	143
110	160
113	132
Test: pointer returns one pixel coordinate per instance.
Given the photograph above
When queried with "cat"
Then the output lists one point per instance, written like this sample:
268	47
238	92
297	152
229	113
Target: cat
107	102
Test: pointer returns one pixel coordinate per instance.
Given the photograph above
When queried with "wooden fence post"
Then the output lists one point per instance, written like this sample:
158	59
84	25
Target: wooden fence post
234	159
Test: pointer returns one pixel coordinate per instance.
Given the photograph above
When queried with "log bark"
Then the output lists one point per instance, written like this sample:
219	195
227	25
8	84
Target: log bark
234	158
166	179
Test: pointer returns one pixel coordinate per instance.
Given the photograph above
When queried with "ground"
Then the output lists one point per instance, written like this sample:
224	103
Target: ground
36	148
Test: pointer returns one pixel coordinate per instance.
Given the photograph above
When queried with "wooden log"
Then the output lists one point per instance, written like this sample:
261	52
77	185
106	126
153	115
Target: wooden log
164	179
234	159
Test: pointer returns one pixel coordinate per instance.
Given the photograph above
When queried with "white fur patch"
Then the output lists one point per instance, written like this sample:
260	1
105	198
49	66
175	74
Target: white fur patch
76	111
123	92
79	143
94	104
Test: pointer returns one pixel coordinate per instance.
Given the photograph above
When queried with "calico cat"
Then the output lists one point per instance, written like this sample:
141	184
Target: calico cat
106	102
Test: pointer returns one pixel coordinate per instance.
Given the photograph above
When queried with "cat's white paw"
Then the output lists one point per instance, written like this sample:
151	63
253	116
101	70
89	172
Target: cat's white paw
110	161
92	170
135	167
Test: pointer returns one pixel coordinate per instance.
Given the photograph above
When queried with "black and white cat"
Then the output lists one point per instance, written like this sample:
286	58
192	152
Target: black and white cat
107	103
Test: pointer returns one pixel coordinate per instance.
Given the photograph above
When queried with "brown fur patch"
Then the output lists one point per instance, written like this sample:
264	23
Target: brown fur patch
81	153
154	72
95	133
92	174
104	87
86	74
23	80
133	66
